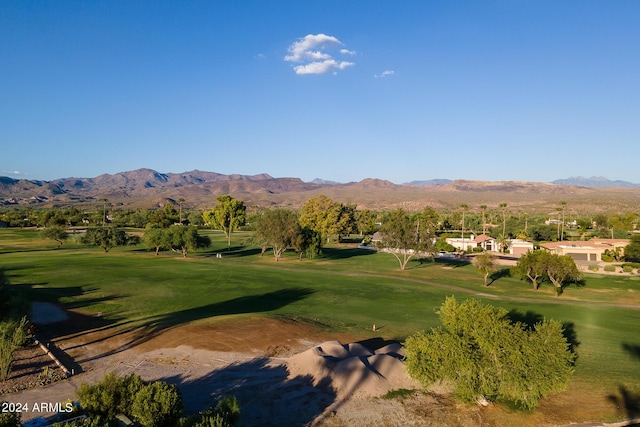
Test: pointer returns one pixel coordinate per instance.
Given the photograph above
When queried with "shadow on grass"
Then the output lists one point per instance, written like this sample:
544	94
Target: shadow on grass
530	318
235	252
344	253
503	272
632	349
425	261
265	393
625	400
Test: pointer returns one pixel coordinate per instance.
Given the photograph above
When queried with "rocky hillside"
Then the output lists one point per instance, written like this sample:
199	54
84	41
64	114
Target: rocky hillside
149	188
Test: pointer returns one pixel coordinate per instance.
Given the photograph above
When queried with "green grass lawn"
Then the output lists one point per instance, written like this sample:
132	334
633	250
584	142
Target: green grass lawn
347	290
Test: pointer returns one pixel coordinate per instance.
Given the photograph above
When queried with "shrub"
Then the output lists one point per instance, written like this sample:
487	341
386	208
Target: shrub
9	419
627	269
610	268
594	267
607	258
225	414
484	354
113	395
157	405
12	336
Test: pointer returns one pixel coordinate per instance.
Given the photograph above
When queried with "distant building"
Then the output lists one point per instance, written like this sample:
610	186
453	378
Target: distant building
518	247
589	250
483	241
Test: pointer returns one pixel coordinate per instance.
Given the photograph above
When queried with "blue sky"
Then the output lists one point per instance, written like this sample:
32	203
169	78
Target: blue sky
397	90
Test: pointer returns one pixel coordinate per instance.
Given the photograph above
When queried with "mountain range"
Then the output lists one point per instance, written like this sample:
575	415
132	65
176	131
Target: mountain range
149	188
595	182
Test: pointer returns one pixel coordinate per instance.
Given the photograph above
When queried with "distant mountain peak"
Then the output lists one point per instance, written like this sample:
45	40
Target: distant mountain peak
429	182
594	181
321	181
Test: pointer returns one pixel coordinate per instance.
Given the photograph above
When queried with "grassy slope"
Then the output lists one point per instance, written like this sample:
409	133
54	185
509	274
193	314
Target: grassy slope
347	290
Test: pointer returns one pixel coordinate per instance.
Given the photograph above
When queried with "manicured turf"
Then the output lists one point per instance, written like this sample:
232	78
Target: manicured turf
347	290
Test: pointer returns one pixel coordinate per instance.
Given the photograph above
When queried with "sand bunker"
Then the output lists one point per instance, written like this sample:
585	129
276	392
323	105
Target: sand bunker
353	370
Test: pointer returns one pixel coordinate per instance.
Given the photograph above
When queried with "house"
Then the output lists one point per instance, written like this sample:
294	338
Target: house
589	250
483	241
519	247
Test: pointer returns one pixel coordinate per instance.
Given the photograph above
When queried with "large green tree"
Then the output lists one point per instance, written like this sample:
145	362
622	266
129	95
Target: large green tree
107	237
561	270
184	238
228	215
279	229
55	232
541	265
485	355
156	238
532	267
404	238
327	217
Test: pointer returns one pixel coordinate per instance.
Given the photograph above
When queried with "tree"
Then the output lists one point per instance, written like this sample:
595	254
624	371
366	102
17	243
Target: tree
483	208
328	217
308	243
632	250
182	239
156	238
464	208
165	217
532	266
503	207
485	264
404	238
181	201
365	222
104	211
107	237
563	206
278	228
484	354
228	214
560	270
55	232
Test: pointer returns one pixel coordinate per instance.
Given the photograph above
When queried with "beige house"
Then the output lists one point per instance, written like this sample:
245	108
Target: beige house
589	250
518	247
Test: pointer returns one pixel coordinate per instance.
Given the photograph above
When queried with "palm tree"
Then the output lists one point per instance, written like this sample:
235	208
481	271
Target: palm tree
503	206
484	222
181	201
485	264
563	205
464	208
104	211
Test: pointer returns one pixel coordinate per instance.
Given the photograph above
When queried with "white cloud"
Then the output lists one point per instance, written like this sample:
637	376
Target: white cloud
385	73
15	173
323	67
311	53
